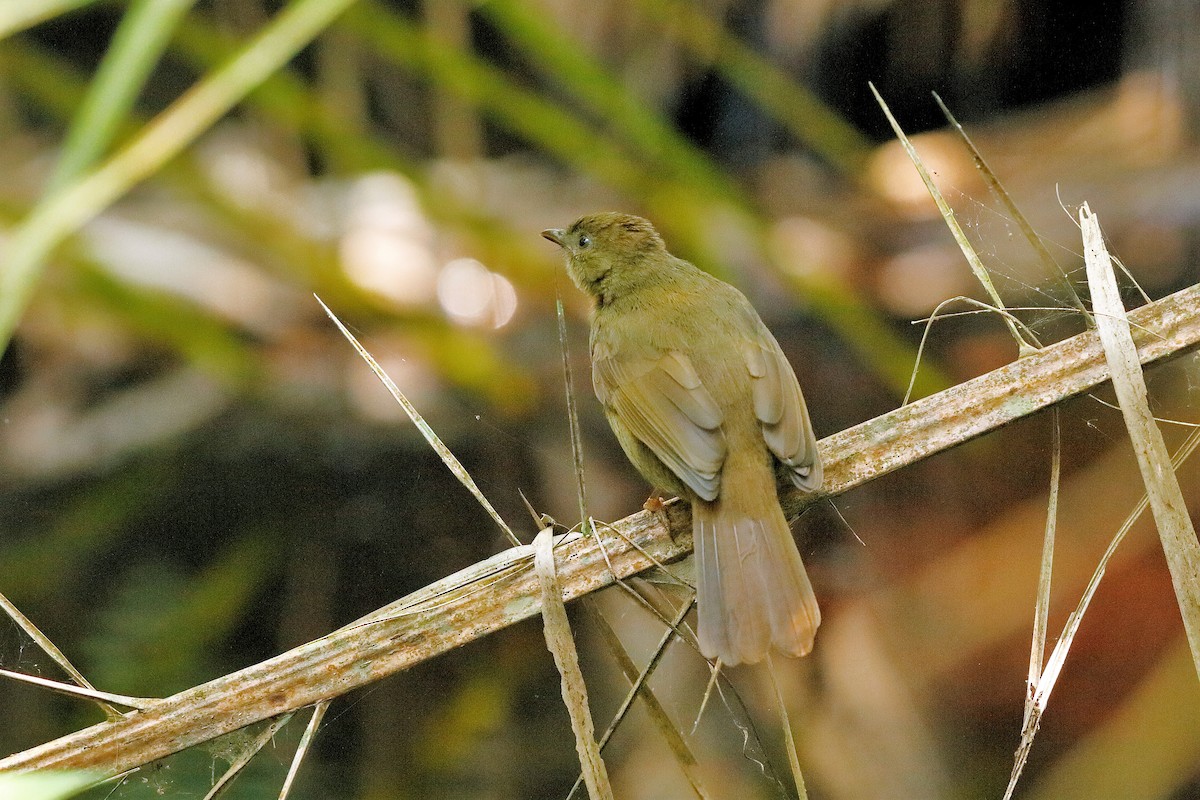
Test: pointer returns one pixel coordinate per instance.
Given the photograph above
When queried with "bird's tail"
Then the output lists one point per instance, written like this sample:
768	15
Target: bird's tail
753	592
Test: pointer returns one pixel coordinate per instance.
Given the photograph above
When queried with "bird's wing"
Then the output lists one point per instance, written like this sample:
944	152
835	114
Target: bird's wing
663	403
780	408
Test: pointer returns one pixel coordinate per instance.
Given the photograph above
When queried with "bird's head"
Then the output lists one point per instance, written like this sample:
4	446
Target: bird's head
609	253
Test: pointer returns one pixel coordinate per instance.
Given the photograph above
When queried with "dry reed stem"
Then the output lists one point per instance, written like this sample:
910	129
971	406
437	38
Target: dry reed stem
561	644
503	590
1167	504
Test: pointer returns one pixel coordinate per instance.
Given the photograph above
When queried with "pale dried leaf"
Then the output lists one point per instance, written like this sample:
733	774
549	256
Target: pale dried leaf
562	645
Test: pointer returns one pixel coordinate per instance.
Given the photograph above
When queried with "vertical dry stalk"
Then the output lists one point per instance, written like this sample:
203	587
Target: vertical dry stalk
1162	487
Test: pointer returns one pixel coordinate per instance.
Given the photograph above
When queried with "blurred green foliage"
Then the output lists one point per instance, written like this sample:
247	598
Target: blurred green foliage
160	236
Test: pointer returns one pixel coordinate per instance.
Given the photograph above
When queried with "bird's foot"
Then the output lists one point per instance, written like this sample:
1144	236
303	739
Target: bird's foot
654	503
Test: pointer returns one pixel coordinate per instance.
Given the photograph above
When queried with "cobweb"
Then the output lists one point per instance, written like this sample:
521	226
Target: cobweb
1044	285
1051	281
17	652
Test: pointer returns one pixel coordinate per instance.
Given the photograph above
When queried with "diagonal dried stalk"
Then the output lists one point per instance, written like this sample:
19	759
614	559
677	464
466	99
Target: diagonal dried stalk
503	589
1041	608
639	687
993	183
981	274
302	749
246	755
105	701
448	458
1175	528
1162	494
789	738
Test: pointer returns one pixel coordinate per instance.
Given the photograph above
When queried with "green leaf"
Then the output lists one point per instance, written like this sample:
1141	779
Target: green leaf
44	785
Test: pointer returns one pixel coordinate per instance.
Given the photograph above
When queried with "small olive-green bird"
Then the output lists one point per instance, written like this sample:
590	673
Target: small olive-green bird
705	405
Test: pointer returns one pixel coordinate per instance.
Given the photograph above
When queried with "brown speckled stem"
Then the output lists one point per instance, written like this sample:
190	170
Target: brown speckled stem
502	590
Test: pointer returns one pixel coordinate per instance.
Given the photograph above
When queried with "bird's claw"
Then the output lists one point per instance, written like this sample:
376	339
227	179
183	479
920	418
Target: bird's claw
654	504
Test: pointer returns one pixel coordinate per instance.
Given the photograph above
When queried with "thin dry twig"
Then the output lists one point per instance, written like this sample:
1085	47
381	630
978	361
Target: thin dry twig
981	273
982	308
785	722
85	692
1022	221
246	755
1160	420
434	440
644	676
714	675
658	714
43	641
573	417
310	733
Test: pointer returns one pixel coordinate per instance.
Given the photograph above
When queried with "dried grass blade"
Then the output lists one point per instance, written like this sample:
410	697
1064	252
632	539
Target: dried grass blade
585	521
981	273
562	646
43	641
310	732
1162	487
785	722
1034	699
448	458
998	189
638	686
1041	613
247	754
1058	657
85	692
1144	747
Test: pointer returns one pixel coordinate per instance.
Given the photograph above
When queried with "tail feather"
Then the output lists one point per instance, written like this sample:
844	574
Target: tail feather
753	592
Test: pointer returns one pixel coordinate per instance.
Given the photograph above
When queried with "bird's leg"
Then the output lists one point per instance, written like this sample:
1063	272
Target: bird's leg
654	503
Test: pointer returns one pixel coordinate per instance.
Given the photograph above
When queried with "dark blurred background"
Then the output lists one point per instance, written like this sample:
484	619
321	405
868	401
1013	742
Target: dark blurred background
197	472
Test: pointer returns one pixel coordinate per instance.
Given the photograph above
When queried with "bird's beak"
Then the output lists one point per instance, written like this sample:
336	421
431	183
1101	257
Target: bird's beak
556	235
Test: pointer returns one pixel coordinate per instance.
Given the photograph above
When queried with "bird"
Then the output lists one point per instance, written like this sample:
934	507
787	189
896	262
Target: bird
705	405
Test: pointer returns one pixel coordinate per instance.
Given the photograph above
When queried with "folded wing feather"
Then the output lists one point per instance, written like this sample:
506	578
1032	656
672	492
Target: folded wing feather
664	404
780	408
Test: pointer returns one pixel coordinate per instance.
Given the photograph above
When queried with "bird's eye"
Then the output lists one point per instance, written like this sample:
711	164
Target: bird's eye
584	241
